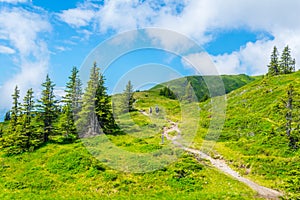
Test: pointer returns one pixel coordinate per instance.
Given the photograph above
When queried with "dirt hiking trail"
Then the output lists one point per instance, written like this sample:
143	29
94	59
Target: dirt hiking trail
262	191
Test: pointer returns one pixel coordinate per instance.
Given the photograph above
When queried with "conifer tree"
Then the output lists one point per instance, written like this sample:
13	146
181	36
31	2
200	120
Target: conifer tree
24	135
167	92
287	63
128	99
7	116
273	67
48	108
15	139
15	110
1	131
103	107
87	123
66	122
28	106
28	129
73	91
292	125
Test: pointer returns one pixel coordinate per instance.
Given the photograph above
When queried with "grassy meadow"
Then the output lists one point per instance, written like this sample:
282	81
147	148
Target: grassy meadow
252	142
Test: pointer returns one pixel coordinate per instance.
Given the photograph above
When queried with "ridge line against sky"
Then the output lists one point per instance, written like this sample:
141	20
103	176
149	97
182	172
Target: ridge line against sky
39	37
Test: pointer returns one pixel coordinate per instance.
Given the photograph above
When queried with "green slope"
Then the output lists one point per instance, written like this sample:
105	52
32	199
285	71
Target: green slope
252	142
69	171
199	84
253	138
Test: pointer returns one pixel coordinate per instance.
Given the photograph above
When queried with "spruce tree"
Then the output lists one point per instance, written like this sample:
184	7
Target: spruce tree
87	123
48	108
292	113
287	63
128	99
7	116
273	67
23	138
73	91
32	139
14	141
66	122
28	106
15	110
103	107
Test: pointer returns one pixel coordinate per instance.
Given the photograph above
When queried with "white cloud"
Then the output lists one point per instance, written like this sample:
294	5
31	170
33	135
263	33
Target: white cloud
200	19
59	92
6	50
62	48
201	62
254	57
22	31
77	18
170	40
124	15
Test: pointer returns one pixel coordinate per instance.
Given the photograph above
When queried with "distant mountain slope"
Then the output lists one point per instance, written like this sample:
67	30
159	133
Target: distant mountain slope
231	82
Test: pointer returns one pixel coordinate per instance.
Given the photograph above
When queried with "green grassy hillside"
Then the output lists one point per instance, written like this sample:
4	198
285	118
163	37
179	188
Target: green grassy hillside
70	172
252	142
199	84
253	139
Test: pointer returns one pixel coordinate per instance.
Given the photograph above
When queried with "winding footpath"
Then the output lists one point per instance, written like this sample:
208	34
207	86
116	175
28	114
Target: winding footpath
219	164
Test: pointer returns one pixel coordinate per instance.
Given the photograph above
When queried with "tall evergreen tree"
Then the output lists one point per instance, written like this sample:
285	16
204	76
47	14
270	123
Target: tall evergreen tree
292	125
293	65
14	140
28	106
103	107
66	122
87	123
73	91
287	63
128	99
273	67
28	130
48	108
15	110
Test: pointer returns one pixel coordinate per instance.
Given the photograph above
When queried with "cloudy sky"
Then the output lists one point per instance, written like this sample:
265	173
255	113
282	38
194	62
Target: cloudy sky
50	36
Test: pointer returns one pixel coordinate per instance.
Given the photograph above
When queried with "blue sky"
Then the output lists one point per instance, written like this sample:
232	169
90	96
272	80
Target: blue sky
39	36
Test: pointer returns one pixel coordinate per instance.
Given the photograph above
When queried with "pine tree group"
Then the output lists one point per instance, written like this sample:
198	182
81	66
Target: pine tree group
167	92
31	124
95	116
284	65
87	120
22	135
